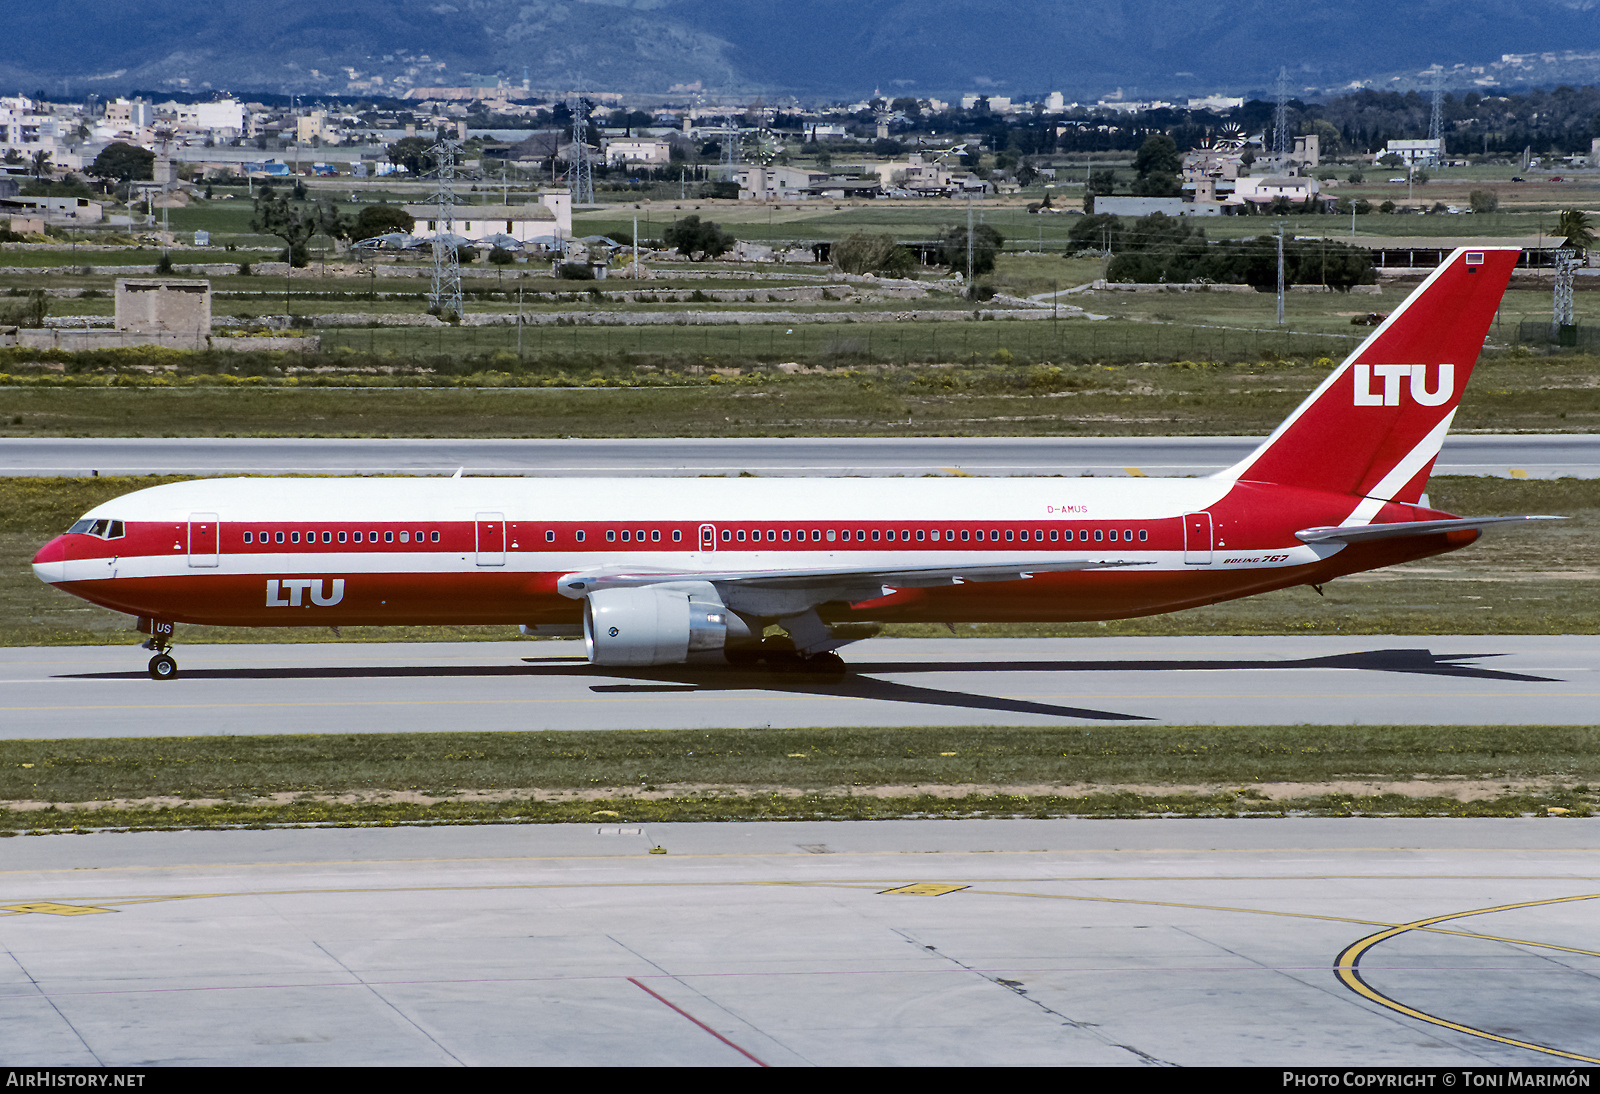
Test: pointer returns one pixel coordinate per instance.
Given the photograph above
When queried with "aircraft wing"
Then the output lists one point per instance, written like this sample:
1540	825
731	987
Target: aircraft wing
1358	533
826	578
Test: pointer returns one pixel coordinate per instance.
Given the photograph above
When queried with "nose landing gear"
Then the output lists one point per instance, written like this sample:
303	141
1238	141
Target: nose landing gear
162	665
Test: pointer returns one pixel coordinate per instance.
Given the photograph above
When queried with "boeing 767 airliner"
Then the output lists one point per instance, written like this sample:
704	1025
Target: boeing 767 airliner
660	572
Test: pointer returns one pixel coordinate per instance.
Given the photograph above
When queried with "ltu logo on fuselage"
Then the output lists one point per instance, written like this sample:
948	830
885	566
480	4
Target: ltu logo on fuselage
288	592
1392	375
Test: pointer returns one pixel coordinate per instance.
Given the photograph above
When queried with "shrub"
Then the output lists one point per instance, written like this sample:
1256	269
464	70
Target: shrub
863	253
28	312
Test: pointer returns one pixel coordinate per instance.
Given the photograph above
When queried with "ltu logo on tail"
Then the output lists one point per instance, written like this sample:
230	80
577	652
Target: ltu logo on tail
1393	376
289	592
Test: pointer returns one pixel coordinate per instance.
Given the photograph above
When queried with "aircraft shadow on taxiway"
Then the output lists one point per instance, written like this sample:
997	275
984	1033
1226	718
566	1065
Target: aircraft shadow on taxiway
862	680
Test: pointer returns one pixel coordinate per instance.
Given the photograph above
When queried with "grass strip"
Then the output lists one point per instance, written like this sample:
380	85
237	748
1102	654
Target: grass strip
821	773
771	807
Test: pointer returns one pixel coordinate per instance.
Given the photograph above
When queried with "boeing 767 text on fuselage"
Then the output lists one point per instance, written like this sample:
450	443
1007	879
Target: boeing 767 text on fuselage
659	572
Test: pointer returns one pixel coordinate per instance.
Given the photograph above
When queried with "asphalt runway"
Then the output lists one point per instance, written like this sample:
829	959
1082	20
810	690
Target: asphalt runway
1547	456
103	691
1362	943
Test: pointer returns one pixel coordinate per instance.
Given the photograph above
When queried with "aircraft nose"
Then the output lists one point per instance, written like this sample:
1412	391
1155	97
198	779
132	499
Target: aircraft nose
50	564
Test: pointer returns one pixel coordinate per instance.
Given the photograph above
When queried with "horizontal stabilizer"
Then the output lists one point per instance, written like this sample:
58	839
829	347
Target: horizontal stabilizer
1357	533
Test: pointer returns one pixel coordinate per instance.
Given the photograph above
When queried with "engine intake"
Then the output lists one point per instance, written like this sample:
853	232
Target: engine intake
667	624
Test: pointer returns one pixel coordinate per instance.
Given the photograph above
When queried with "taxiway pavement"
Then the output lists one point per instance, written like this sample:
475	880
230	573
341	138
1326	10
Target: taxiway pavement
103	691
1532	456
1359	943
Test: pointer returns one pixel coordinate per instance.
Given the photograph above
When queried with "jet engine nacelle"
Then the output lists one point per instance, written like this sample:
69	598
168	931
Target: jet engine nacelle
666	624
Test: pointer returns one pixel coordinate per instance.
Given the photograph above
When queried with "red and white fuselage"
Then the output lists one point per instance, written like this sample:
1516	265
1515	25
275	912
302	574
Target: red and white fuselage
1329	493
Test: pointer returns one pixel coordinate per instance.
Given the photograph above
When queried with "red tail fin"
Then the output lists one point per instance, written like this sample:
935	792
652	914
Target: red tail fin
1374	427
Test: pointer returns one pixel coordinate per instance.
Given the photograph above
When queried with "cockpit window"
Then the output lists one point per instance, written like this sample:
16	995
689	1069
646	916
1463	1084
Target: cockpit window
103	529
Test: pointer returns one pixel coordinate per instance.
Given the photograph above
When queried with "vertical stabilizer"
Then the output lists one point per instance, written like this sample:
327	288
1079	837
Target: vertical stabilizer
1374	427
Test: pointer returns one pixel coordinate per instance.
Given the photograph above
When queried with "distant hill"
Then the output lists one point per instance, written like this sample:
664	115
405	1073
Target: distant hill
808	48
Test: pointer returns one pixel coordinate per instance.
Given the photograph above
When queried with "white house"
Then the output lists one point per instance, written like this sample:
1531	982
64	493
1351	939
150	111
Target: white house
27	129
1417	153
1264	191
655	153
548	218
221	121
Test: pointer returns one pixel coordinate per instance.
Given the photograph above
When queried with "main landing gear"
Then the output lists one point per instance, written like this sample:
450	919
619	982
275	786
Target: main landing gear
778	654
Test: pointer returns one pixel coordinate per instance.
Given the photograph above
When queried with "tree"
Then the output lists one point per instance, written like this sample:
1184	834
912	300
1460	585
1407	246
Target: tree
1484	201
1160	248
381	219
692	237
412	154
865	253
1329	139
296	223
1158	164
1100	232
39	167
1572	225
986	243
1157	155
119	162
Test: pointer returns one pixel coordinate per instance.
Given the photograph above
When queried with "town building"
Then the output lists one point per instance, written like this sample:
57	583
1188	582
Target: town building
546	223
1419	153
58	211
27	128
219	121
653	153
